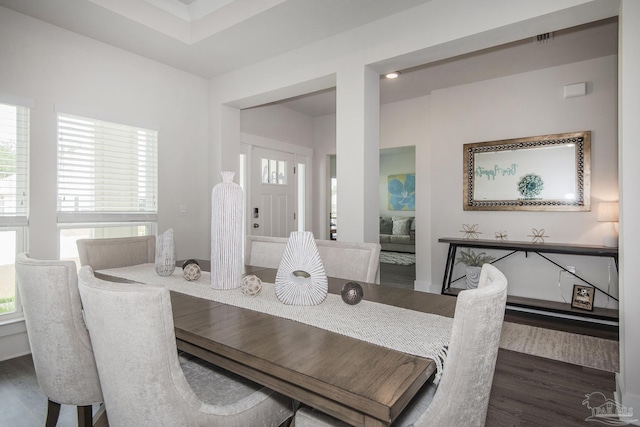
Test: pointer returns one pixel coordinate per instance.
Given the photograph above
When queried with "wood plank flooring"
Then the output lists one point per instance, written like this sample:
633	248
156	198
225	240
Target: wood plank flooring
22	403
532	391
397	276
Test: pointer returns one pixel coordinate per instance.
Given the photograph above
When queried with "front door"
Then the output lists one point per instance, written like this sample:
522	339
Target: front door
272	206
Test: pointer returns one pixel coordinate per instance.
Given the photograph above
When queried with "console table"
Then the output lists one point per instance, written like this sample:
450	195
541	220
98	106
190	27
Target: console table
539	249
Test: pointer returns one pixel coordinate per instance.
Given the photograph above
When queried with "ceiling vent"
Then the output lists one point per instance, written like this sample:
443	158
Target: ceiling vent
543	38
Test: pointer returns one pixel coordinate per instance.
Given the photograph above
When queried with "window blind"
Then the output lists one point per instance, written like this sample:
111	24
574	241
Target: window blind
14	165
107	172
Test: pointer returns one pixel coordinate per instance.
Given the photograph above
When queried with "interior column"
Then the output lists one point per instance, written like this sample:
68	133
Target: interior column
358	154
629	151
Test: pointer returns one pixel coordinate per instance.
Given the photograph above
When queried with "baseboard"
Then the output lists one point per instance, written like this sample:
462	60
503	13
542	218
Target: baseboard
424	286
14	341
626	400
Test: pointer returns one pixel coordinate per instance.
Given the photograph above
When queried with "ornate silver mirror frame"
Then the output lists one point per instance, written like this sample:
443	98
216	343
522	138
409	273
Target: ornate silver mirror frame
540	173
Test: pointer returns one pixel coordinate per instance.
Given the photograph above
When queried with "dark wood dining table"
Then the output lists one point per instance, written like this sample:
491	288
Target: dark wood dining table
360	383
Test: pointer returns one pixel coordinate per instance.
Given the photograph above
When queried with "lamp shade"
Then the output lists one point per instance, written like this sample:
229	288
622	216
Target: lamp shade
608	212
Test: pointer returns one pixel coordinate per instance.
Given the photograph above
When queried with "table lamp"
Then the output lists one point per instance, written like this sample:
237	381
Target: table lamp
608	212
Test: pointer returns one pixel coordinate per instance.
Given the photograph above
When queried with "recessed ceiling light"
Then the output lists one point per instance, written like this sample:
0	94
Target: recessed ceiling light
393	75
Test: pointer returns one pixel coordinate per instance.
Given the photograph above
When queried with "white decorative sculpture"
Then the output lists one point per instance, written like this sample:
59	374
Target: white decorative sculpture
165	254
301	279
226	234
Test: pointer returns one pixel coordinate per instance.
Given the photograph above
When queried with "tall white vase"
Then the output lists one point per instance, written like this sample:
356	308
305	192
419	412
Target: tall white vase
301	279
226	234
165	254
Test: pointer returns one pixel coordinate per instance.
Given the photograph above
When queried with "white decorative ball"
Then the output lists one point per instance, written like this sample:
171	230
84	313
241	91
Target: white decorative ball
191	272
251	285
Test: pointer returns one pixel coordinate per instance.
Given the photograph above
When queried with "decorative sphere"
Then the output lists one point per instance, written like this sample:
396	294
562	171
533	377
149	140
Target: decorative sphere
251	285
191	271
352	293
189	261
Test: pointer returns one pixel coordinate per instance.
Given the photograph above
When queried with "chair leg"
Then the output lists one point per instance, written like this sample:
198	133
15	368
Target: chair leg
85	416
53	412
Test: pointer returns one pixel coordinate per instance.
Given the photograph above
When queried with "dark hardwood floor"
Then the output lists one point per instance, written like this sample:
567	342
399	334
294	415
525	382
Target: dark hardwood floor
397	276
532	391
22	403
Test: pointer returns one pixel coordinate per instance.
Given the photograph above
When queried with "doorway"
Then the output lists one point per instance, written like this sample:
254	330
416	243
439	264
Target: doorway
273	197
397	217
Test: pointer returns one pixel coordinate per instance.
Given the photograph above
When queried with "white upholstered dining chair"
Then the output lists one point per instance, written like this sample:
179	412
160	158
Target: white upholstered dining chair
264	251
60	344
462	396
350	260
116	252
345	260
132	332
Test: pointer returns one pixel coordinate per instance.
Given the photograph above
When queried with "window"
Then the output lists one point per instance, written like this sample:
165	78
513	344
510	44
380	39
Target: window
274	171
107	181
14	199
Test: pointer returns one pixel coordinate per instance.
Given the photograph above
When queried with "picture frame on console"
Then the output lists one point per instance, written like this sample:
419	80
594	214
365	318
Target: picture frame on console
583	297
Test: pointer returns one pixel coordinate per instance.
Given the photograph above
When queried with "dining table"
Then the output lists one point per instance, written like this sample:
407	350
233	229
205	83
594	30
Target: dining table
358	382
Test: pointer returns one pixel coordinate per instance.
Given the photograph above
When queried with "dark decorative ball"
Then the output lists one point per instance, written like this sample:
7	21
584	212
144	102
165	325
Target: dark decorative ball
352	293
189	261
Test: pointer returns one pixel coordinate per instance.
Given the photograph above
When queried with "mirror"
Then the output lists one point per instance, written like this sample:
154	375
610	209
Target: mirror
540	173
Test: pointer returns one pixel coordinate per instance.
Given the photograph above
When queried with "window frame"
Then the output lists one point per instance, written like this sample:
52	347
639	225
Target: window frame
95	218
22	243
101	152
19	222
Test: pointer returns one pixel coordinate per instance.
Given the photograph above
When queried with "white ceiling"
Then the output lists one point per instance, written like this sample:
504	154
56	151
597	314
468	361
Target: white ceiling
571	45
211	37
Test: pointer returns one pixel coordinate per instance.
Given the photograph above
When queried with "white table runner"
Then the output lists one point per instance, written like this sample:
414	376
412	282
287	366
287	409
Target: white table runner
412	332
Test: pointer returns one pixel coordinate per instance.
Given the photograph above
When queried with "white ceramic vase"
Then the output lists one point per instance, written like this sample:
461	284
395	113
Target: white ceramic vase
226	234
301	279
473	276
165	254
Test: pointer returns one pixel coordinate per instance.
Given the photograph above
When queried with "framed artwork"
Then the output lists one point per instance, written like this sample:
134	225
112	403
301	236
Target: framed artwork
402	192
583	297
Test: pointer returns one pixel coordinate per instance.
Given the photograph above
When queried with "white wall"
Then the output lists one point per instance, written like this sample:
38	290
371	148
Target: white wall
62	70
405	123
524	105
74	74
278	123
521	105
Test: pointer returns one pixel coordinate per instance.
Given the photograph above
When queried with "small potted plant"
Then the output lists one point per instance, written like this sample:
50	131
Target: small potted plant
474	262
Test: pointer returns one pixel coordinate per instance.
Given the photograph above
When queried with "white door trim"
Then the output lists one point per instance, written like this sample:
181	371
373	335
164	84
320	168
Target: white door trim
249	141
273	144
